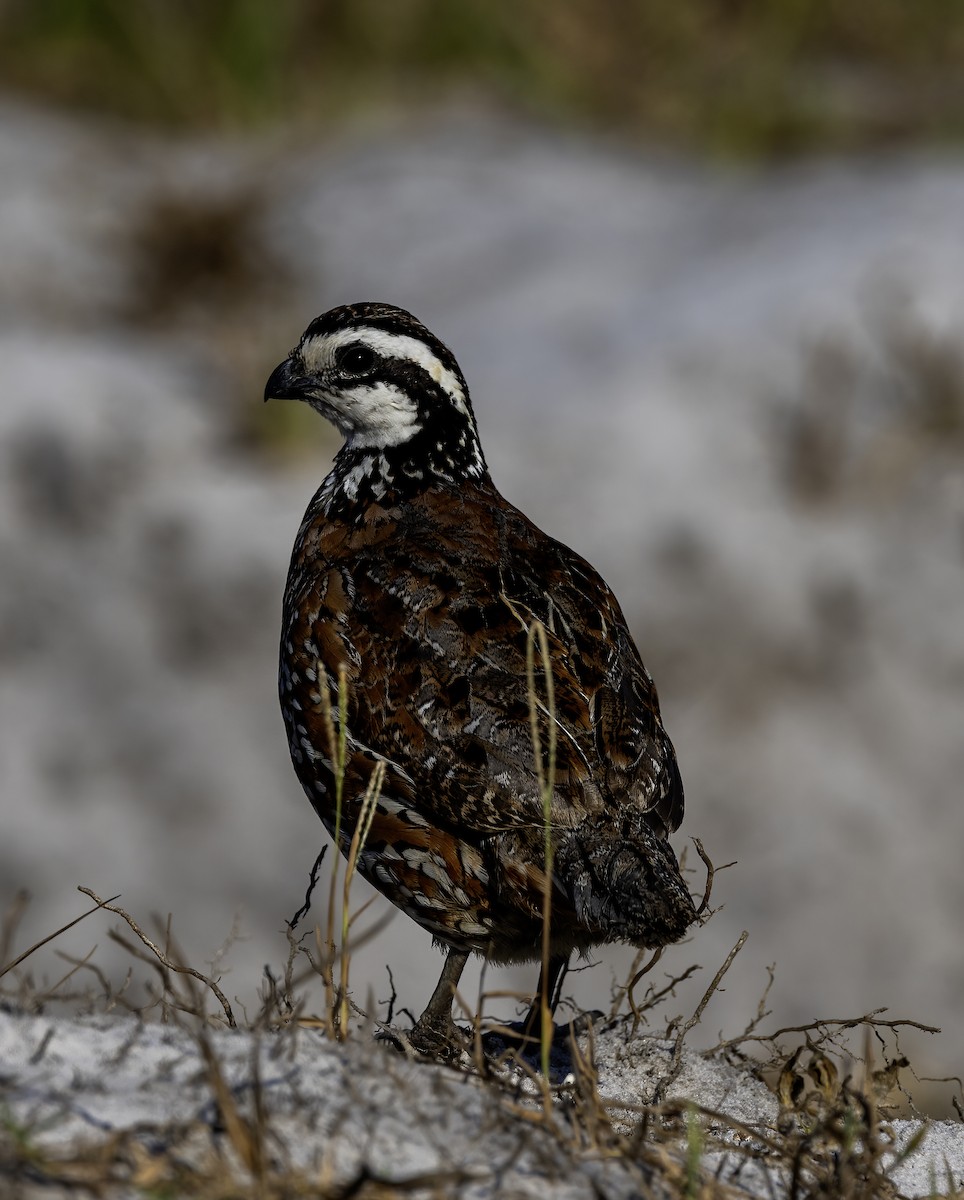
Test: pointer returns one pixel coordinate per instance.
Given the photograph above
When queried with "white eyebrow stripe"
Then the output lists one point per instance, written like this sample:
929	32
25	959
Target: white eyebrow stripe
388	345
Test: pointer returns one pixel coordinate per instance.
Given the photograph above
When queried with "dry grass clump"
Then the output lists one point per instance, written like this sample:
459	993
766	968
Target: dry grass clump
831	1136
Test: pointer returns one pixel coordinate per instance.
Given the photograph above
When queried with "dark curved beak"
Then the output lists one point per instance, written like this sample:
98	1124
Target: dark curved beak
286	383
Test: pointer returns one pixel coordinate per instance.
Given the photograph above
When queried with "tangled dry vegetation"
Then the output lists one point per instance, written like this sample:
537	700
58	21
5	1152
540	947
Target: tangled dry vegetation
822	1127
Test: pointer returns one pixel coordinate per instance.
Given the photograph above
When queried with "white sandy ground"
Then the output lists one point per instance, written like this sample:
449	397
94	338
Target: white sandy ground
639	338
336	1109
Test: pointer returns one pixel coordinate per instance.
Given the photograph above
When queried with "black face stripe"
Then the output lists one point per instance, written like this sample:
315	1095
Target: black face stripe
429	397
426	393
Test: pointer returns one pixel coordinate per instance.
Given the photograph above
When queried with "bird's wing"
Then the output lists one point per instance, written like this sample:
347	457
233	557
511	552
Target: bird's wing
431	614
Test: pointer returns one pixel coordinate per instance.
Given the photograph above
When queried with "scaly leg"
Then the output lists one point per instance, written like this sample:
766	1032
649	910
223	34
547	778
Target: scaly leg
435	1031
552	974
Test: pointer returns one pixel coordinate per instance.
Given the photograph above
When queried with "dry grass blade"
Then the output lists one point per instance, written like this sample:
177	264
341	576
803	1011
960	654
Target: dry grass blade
110	993
245	1140
359	835
547	779
329	950
76	964
164	960
63	929
337	739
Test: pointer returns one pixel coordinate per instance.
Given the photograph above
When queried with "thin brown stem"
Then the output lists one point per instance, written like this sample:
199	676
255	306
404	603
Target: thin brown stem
63	929
169	963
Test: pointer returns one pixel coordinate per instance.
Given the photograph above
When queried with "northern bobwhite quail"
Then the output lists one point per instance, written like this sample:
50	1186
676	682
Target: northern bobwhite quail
415	573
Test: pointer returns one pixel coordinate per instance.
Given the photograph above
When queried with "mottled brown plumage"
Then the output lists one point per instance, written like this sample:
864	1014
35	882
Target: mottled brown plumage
416	574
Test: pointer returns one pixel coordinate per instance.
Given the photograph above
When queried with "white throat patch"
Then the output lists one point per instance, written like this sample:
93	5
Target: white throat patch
373	414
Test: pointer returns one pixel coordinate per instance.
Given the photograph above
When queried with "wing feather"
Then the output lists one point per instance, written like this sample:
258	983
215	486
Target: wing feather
434	638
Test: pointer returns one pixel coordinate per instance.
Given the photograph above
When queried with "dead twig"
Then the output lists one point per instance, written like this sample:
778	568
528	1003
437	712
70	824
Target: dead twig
312	882
839	1024
677	1059
166	962
710	875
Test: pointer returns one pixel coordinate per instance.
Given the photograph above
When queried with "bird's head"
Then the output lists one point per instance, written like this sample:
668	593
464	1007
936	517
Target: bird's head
389	385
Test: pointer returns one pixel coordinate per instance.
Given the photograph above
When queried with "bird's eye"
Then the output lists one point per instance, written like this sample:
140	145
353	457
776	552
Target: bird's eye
356	360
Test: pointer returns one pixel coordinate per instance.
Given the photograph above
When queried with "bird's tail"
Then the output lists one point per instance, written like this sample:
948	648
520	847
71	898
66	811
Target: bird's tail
624	882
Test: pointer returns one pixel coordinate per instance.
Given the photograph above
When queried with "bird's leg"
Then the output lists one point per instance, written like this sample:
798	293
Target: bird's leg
435	1031
551	976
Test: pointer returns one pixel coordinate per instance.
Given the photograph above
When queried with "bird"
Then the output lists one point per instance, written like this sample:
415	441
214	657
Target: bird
417	583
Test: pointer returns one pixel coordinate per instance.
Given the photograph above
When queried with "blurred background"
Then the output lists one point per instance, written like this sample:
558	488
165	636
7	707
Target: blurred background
703	266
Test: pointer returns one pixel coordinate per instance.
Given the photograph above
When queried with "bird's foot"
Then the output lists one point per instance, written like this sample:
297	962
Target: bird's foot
439	1041
522	1041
